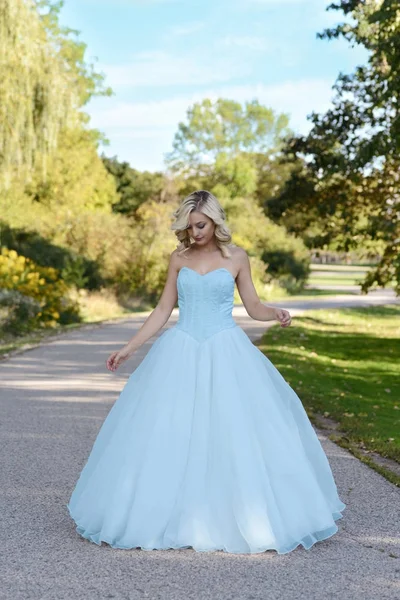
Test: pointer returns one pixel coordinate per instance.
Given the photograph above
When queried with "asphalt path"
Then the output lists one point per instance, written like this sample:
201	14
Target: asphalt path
54	398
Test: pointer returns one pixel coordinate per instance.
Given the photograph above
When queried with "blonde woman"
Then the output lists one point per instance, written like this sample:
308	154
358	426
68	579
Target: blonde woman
207	446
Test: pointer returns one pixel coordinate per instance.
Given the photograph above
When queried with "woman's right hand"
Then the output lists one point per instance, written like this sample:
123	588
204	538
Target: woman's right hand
117	358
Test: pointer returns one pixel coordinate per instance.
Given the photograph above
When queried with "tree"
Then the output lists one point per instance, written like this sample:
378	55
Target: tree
226	144
77	178
61	197
134	187
45	81
225	126
36	95
349	177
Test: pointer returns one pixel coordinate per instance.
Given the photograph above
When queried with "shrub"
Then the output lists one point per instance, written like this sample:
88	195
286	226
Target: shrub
42	284
20	314
75	270
286	259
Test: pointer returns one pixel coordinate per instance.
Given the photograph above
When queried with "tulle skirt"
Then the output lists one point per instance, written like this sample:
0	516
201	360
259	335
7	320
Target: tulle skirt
207	447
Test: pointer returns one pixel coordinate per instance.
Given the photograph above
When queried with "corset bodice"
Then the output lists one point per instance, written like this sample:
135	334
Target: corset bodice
205	302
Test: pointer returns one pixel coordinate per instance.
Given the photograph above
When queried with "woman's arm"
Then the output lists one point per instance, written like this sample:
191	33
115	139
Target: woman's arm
252	303
154	322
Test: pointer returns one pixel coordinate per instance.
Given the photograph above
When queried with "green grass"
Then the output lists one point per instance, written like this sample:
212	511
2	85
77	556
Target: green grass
338	267
313	293
336	275
342	275
329	280
345	364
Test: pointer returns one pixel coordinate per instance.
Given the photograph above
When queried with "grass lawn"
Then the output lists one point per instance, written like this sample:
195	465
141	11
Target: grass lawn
343	275
344	364
329	280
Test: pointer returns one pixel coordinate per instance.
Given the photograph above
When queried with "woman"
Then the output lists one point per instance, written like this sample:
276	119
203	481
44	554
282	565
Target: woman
207	446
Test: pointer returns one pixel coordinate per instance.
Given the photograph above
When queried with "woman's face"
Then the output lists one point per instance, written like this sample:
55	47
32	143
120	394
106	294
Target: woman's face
201	228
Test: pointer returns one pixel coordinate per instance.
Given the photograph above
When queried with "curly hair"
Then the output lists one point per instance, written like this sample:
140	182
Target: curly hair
206	203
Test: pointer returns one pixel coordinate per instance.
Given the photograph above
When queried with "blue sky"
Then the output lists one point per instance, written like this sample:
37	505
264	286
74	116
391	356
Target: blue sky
161	56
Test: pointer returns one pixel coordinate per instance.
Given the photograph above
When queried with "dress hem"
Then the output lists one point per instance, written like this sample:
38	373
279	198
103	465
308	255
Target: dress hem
318	536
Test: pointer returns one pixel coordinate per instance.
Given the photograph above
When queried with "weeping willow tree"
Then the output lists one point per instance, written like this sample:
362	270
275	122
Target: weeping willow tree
38	96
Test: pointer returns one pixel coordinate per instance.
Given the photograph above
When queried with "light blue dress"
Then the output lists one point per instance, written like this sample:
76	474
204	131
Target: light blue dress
207	445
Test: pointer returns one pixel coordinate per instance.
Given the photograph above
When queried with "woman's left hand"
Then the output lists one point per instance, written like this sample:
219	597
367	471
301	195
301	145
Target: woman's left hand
283	316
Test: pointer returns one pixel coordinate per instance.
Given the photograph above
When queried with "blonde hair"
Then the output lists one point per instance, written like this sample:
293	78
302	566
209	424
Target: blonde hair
206	203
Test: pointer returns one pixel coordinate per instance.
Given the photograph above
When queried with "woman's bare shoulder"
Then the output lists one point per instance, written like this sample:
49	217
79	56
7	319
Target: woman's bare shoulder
179	256
237	251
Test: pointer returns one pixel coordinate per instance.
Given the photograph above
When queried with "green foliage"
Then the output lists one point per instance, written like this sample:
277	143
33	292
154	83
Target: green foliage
37	97
77	178
236	175
72	51
145	271
224	127
104	239
42	284
350	181
284	257
289	265
18	313
45	82
272	176
75	269
133	187
74	272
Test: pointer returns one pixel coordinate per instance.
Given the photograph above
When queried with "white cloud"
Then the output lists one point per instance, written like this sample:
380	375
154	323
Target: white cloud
298	98
145	115
186	29
141	132
138	134
157	68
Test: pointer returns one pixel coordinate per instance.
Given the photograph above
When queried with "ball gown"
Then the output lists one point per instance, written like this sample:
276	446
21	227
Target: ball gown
207	446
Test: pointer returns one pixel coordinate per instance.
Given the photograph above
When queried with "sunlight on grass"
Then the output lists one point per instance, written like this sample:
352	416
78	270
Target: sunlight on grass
342	275
345	364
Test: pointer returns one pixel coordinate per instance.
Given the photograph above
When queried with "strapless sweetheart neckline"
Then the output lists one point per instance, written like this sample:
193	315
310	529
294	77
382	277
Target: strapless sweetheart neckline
208	272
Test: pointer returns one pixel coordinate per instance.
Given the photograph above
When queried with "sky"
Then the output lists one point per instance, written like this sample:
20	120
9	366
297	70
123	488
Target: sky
161	56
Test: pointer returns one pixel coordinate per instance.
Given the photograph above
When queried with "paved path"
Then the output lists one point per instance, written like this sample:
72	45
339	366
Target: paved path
53	401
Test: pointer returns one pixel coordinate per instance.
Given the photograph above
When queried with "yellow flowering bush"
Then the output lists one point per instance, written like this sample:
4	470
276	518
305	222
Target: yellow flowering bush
42	284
